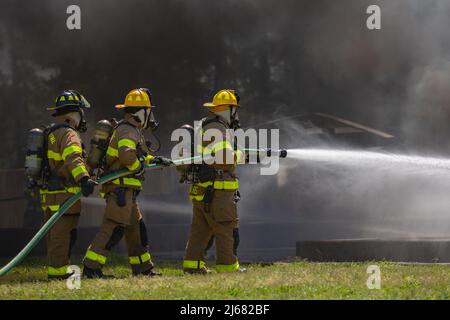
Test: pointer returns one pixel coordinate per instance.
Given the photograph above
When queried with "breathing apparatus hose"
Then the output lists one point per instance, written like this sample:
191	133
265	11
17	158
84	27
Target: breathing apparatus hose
71	201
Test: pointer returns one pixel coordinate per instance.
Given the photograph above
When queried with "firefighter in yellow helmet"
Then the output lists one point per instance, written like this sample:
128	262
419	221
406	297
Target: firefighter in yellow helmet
65	174
127	149
214	190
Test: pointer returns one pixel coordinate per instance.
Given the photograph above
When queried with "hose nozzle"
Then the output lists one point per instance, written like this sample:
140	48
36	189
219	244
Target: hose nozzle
282	153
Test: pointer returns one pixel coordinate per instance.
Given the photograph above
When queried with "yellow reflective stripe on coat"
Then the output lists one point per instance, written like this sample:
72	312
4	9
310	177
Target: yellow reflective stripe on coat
129	182
200	148
61	271
134	166
54	155
221	145
79	170
126	143
112	152
54	208
91	255
70	150
193	264
140	259
66	190
227	267
221	185
196	198
239	156
149	158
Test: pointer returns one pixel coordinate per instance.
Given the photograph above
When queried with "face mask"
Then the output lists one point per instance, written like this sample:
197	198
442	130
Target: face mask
141	116
146	118
225	115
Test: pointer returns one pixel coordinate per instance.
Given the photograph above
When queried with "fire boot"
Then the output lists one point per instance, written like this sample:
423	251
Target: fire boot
89	273
203	270
148	273
62	277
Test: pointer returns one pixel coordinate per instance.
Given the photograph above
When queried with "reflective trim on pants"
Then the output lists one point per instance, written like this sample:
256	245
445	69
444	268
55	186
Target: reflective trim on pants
52	271
140	259
193	264
91	255
227	267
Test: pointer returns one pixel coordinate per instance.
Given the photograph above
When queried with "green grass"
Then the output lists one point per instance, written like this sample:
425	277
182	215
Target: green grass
281	280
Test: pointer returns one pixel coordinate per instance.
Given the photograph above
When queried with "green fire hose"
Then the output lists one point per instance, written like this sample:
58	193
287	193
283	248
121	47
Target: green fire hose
71	201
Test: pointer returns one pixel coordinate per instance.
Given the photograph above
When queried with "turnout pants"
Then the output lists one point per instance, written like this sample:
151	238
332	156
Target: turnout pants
118	222
60	241
62	236
219	220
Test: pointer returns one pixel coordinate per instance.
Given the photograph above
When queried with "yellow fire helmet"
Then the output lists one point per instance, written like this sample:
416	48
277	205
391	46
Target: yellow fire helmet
222	100
137	98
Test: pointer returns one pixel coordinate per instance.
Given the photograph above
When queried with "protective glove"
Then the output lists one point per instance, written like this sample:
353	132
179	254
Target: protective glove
87	186
162	160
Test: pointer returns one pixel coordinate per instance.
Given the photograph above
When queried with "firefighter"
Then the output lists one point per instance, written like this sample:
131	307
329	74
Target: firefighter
65	174
214	190
127	149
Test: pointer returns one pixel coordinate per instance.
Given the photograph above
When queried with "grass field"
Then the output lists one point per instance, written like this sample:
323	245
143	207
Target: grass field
281	280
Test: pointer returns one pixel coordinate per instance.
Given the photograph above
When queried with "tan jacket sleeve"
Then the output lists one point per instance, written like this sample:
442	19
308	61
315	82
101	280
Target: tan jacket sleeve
72	154
127	141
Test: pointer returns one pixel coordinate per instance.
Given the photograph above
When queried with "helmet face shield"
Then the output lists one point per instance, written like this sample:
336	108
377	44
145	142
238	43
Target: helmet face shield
85	103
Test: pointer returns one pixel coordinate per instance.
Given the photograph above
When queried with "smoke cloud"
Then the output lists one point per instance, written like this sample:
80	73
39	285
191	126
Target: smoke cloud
284	57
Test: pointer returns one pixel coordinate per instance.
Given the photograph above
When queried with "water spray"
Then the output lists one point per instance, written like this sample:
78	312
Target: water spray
281	153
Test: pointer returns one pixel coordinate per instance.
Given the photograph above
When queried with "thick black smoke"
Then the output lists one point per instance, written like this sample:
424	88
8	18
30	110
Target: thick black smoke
284	57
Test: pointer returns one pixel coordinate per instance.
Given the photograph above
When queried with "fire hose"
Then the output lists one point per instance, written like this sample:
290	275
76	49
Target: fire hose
71	201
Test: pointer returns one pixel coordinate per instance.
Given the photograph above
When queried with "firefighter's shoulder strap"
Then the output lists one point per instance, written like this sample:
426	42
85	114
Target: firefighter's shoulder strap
208	120
125	122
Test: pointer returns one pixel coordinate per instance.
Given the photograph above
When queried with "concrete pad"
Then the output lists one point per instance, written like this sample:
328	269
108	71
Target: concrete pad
424	250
